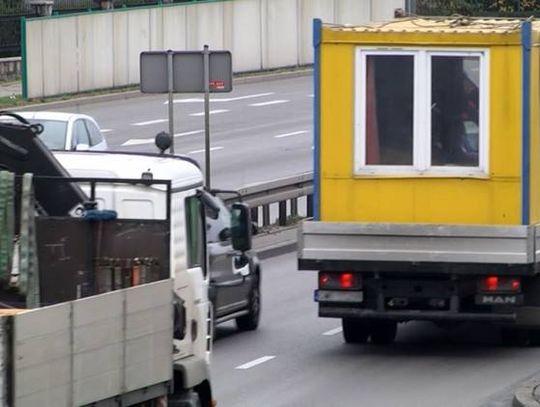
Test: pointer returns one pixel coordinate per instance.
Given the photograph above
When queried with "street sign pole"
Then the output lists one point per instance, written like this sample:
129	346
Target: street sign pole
206	65
171	100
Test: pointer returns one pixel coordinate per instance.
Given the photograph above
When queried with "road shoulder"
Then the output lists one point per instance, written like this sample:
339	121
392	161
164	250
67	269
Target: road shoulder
528	393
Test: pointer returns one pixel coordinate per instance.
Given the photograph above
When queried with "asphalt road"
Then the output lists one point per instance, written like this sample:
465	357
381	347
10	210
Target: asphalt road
259	132
298	359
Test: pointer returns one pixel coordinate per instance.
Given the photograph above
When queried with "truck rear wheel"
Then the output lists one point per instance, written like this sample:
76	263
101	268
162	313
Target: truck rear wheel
514	337
383	332
534	337
355	330
187	399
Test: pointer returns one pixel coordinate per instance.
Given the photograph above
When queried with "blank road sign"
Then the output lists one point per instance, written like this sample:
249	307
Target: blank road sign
154	72
188	72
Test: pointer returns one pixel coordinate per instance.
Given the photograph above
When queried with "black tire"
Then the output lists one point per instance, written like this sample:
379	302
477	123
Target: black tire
383	332
514	337
534	337
190	398
250	321
355	331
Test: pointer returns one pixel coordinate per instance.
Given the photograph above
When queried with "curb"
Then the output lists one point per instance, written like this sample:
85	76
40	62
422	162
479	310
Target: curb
130	94
527	393
276	242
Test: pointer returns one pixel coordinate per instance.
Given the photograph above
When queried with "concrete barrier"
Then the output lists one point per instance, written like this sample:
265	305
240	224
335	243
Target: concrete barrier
10	69
101	50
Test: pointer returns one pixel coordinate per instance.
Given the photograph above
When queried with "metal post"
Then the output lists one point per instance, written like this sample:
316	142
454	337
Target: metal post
171	101
206	64
255	215
410	7
282	213
294	207
266	215
309	206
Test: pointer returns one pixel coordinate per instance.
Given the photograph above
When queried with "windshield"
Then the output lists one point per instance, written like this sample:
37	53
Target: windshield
54	133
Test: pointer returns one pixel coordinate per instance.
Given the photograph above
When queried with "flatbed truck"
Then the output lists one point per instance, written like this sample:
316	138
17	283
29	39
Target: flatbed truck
426	175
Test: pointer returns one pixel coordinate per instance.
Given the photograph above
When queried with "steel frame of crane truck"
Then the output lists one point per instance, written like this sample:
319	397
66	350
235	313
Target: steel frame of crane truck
426	176
106	277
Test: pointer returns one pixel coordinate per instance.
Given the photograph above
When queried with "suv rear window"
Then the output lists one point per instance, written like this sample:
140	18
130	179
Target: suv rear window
54	133
95	135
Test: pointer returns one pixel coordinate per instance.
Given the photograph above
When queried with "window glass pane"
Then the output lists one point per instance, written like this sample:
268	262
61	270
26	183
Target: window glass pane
54	133
80	134
454	110
95	134
389	109
218	223
195	238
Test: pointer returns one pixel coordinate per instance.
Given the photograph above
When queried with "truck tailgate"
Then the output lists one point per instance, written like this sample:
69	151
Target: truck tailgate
319	241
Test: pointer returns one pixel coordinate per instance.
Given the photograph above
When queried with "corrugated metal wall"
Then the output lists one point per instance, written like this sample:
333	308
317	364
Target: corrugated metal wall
68	54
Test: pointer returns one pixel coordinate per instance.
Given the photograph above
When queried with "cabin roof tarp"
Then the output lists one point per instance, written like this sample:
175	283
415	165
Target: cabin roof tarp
455	24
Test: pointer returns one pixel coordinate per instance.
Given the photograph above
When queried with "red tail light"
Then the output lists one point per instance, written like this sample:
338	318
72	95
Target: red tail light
500	284
516	284
324	279
346	280
492	283
333	280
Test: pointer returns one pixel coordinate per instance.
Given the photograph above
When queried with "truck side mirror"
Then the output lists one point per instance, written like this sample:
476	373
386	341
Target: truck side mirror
241	227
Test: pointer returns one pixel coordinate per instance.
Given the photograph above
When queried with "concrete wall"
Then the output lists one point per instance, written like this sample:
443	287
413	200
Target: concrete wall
69	54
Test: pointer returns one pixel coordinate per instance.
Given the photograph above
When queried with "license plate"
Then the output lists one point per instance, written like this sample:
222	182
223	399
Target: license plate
338	296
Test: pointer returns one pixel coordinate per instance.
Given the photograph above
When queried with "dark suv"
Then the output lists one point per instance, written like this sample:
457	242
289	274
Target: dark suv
234	277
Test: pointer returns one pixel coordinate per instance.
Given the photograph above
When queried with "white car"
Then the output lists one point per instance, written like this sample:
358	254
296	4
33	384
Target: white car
68	131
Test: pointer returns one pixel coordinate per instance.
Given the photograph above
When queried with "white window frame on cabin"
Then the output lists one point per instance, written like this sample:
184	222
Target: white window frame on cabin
421	116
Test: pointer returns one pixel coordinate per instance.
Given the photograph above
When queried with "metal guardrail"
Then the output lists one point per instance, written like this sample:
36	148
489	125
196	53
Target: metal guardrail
278	200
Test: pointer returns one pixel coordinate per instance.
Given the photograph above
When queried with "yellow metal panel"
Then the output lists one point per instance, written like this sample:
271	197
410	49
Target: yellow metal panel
454	201
337	116
505	111
416	38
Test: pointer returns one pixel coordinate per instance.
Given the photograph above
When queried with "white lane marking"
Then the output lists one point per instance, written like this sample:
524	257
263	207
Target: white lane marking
149	122
255	362
137	141
210	112
106	130
294	133
271	102
214	100
334	331
202	151
188	133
